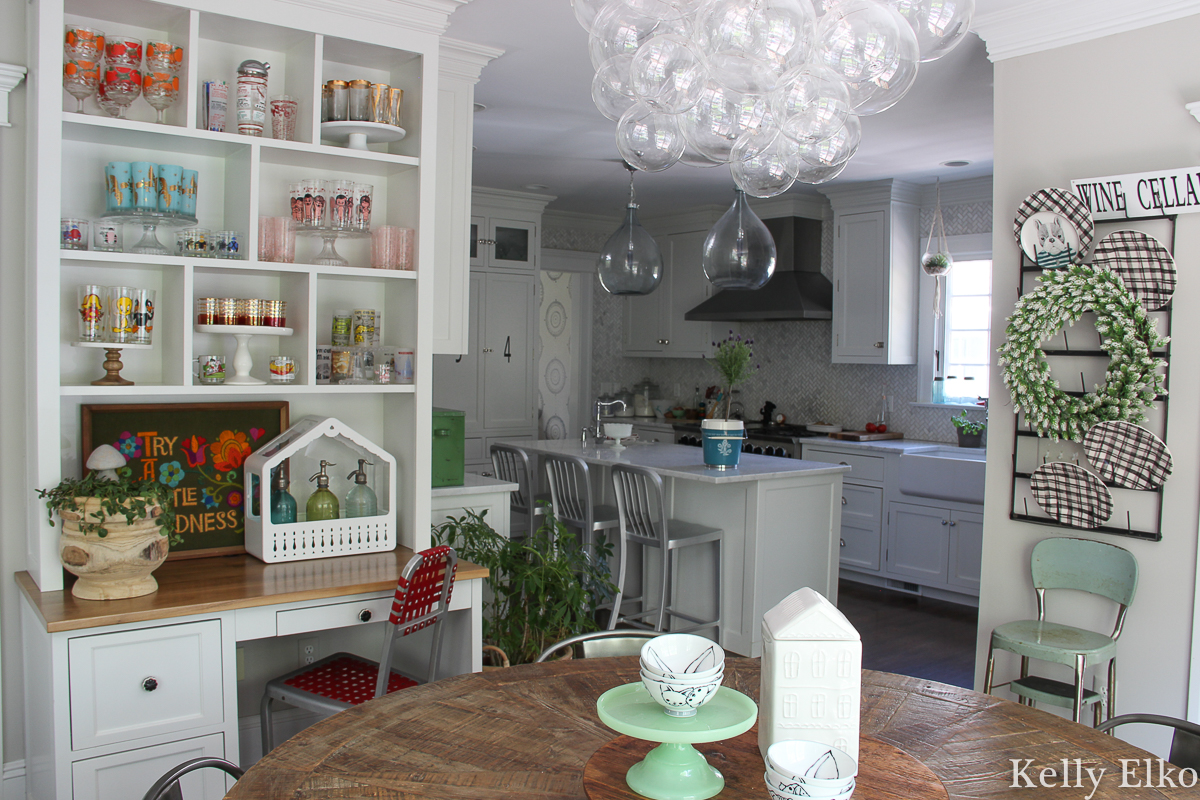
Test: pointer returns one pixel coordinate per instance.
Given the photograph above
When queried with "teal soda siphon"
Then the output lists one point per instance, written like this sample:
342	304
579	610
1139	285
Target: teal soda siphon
360	500
283	505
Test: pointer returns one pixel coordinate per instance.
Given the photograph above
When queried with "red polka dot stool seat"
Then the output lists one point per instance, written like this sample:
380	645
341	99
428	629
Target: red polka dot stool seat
343	680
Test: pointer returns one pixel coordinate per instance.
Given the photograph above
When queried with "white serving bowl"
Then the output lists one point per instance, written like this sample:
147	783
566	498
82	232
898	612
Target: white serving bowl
682	654
617	430
814	763
794	790
681	699
787	784
685	680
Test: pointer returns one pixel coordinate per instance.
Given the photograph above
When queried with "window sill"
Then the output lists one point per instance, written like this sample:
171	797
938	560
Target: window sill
968	406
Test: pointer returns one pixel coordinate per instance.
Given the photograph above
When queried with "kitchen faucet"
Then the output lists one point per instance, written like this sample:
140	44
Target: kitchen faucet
597	432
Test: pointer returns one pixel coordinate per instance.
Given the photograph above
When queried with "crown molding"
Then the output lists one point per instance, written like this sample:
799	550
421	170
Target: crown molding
847	196
1032	26
426	16
956	193
812	206
464	60
10	76
575	220
525	201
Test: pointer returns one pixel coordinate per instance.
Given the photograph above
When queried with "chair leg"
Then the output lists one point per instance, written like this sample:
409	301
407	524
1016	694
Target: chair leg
267	722
989	673
1112	687
720	610
1077	711
621	557
664	590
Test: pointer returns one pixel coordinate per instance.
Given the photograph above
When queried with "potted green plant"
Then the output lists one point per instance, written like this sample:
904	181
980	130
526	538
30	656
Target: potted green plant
722	437
115	530
539	590
970	432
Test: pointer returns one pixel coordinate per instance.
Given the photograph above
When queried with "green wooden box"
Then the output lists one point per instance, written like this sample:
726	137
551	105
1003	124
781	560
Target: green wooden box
448	447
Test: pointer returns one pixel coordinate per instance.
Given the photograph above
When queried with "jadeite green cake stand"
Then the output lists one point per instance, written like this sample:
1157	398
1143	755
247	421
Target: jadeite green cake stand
675	770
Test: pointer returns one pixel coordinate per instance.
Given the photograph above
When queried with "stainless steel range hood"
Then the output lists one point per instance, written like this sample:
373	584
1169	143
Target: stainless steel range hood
797	290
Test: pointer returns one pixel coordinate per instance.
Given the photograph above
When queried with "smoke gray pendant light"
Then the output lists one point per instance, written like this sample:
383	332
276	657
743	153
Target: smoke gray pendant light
630	261
739	251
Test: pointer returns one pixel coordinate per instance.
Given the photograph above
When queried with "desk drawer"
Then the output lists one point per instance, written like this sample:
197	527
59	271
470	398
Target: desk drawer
147	682
862	468
334	615
122	776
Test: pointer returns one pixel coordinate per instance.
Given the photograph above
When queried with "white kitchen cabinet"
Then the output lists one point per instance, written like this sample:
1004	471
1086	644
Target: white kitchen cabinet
653	324
113	777
966	550
935	546
875	270
505	229
862	526
458	72
662	432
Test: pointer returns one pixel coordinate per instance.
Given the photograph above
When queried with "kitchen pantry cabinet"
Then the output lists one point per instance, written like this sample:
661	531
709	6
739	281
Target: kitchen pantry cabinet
653	324
875	270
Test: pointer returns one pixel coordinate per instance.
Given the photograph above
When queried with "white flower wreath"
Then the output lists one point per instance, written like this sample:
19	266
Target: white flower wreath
1132	380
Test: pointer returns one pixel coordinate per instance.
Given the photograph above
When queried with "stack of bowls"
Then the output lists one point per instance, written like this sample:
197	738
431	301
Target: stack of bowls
682	672
798	768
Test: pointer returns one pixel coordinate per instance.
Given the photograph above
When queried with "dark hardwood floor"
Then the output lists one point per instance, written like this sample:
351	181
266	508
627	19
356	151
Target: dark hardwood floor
912	636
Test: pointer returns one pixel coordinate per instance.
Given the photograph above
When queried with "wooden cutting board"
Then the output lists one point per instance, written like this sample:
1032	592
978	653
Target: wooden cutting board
864	436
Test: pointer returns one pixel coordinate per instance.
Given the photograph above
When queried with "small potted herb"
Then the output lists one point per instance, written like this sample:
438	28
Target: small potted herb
970	432
115	531
722	437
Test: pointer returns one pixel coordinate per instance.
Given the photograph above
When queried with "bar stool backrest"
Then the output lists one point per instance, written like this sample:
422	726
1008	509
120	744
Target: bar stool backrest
512	464
570	490
641	503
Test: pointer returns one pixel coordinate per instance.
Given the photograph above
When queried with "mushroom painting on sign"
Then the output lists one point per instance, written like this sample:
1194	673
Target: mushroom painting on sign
811	674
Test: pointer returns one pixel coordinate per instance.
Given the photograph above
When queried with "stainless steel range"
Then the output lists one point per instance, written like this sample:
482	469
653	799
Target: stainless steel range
765	440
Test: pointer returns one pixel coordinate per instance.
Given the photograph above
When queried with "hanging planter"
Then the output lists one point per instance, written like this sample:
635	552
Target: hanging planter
936	261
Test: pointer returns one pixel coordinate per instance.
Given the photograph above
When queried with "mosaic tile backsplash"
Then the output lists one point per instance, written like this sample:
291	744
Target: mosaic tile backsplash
794	371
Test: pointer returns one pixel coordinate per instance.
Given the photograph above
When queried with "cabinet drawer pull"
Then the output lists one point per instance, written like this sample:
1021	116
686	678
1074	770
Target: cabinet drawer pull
843	541
364	615
879	344
952	524
150	684
945	522
666	341
843	501
844	464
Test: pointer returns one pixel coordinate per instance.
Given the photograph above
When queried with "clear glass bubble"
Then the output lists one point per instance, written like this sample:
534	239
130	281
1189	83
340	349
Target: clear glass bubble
611	91
837	149
749	43
587	10
857	39
813	174
694	158
649	140
659	9
719	118
619	31
810	103
764	163
667	74
887	88
939	25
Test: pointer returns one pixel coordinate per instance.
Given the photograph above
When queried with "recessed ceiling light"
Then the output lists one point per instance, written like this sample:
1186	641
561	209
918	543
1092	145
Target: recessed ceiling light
479	107
536	187
956	163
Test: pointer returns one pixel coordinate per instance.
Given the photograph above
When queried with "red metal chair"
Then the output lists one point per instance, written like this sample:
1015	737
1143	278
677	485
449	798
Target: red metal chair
344	680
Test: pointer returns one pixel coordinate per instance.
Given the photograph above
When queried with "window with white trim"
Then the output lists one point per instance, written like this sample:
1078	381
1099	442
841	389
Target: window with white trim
966	350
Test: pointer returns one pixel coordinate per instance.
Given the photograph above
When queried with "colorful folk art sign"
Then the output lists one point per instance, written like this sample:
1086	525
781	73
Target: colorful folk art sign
197	449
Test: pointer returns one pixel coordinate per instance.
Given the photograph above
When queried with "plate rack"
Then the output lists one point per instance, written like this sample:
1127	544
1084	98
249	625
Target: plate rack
1137	513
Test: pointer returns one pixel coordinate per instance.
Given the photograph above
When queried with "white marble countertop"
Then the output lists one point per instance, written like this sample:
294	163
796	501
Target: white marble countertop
474	484
879	446
679	461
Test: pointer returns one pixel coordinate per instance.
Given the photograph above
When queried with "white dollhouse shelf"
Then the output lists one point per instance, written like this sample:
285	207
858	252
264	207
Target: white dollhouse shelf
324	538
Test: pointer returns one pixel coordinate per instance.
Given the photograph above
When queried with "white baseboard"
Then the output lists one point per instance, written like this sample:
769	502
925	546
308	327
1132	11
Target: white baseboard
12	781
288	722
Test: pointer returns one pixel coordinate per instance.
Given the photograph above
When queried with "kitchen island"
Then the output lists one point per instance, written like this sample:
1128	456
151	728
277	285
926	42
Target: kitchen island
781	519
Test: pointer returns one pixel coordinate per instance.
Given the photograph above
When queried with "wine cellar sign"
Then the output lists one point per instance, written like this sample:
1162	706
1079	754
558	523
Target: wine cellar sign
1142	194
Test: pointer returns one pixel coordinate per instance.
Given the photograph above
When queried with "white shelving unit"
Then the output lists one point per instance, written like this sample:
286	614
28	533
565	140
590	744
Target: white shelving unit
240	179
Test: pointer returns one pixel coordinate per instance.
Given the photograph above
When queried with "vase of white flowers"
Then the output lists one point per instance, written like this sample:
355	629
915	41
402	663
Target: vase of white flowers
723	437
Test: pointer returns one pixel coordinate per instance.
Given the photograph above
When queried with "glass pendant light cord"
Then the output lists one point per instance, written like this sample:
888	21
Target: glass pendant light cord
629	258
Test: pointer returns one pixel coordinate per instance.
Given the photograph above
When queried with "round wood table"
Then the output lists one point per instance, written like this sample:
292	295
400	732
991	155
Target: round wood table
529	732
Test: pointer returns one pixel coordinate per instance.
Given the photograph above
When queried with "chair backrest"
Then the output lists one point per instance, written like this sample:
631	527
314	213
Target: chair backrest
603	644
511	464
641	504
1185	744
422	597
570	490
168	785
1085	565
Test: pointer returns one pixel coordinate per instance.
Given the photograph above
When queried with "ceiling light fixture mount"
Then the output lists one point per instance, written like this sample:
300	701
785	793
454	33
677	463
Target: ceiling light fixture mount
956	163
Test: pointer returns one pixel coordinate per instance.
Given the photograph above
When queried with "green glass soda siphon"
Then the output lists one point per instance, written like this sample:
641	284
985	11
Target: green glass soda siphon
322	504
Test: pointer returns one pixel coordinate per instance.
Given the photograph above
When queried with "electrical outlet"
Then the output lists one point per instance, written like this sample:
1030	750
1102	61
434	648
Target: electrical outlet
308	650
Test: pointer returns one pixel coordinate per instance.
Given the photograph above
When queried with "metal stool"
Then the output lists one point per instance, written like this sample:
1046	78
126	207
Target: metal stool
571	498
511	464
643	520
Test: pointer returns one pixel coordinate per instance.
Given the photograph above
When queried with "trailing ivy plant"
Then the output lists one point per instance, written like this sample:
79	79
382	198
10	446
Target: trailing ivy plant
544	588
124	497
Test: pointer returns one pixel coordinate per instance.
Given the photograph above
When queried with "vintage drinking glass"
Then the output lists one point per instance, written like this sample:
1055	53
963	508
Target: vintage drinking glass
121	85
81	76
283	117
160	89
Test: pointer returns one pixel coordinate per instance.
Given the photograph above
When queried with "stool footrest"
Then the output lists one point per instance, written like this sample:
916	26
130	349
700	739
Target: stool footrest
1047	690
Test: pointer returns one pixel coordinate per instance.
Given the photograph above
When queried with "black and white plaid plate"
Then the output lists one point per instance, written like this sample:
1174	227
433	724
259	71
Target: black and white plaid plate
1071	494
1143	263
1127	455
1064	204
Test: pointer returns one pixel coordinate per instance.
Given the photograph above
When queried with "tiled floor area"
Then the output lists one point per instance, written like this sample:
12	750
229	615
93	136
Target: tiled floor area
911	635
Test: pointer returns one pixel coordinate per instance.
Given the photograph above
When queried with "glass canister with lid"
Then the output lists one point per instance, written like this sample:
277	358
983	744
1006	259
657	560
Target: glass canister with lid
644	394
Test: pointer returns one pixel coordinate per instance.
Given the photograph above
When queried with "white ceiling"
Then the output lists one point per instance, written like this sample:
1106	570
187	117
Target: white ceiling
540	126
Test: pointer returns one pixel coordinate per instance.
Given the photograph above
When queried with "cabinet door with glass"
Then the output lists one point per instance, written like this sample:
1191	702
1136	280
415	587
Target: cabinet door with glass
503	244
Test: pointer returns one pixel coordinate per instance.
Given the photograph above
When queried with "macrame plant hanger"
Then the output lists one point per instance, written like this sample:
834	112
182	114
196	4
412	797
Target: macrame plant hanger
937	261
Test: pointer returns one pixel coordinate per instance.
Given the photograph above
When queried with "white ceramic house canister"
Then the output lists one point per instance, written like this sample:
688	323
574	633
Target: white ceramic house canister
811	674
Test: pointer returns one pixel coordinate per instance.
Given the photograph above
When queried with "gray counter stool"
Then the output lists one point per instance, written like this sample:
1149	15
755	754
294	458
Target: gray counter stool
571	498
511	464
643	519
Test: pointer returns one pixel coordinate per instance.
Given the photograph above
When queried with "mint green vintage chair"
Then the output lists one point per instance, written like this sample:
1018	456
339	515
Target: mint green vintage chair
1087	566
